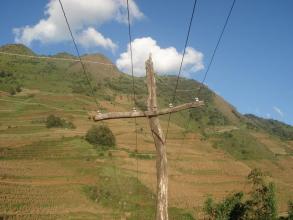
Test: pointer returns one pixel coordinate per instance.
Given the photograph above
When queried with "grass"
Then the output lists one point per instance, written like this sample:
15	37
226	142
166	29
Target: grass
142	156
241	145
127	195
55	171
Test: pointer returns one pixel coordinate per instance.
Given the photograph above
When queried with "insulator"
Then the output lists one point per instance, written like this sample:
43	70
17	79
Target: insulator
99	112
134	109
170	105
196	99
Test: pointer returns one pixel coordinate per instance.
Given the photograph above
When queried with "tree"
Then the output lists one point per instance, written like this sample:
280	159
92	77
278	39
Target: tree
101	135
261	204
230	208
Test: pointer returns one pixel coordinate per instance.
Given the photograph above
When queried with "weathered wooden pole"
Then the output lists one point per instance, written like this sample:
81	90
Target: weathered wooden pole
153	114
158	135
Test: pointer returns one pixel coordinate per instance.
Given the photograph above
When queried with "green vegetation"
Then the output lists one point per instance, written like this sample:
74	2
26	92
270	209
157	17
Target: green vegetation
271	126
9	83
126	194
260	204
141	156
60	88
229	208
101	136
290	210
242	145
17	48
209	116
53	121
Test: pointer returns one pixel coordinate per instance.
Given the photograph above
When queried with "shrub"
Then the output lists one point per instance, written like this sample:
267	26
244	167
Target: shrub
53	121
260	204
18	88
101	135
12	91
290	210
230	208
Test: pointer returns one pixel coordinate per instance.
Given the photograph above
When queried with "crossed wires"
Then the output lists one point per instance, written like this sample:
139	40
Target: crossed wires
180	68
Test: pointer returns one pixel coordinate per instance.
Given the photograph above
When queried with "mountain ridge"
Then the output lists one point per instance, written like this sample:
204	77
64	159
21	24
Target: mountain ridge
106	72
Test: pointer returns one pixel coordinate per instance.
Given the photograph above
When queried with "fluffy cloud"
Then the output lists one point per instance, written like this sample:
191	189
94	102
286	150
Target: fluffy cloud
279	111
90	37
166	60
83	17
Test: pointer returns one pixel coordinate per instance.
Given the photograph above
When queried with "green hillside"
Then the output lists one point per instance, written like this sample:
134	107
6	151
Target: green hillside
271	126
54	173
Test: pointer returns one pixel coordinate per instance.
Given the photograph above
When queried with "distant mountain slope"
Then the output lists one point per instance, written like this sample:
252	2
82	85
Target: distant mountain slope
17	48
271	126
108	82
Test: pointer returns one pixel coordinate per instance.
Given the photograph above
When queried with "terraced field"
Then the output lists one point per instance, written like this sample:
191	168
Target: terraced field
55	174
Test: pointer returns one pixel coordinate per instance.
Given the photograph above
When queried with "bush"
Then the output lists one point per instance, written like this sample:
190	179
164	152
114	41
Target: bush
53	121
101	135
290	210
12	91
230	208
259	205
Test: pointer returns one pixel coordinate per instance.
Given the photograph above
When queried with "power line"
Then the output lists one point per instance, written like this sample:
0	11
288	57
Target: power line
181	64
217	45
78	54
55	58
133	90
211	61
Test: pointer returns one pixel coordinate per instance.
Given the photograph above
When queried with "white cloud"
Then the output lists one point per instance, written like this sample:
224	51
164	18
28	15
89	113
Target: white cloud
90	37
83	16
166	60
279	111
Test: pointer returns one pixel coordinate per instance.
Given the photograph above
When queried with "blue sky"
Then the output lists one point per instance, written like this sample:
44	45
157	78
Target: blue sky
253	67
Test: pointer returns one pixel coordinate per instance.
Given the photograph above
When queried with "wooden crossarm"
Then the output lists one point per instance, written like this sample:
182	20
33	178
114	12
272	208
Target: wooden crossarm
137	114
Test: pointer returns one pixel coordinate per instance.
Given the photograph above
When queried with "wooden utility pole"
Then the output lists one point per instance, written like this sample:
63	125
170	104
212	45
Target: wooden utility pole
161	155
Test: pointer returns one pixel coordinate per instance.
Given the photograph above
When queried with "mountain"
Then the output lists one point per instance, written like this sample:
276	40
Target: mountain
55	172
17	48
271	126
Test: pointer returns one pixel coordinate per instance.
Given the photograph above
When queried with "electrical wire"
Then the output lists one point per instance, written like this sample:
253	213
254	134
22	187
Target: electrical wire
78	54
180	68
133	90
55	58
210	63
217	45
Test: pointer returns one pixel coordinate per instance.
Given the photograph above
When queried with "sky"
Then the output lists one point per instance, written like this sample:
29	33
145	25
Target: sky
252	69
